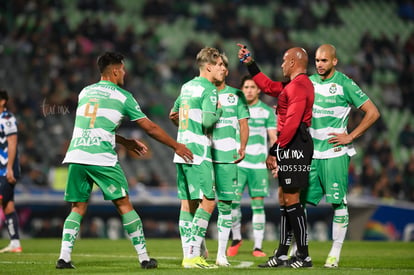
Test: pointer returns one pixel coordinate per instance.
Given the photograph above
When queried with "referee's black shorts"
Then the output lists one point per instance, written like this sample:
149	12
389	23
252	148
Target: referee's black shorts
294	160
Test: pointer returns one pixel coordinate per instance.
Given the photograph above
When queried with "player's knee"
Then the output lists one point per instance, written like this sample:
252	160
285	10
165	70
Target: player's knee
208	205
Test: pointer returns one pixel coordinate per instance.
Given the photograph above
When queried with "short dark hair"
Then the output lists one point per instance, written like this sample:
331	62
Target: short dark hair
109	58
244	79
4	95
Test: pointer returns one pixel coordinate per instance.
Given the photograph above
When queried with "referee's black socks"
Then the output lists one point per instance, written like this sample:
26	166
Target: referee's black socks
297	219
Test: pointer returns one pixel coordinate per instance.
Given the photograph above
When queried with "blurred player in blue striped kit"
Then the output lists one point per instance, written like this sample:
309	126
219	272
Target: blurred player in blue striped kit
9	173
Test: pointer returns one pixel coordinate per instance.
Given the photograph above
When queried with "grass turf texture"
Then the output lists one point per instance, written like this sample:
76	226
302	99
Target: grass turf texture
102	256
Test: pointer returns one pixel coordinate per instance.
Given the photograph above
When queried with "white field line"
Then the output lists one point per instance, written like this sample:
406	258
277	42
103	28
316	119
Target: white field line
234	263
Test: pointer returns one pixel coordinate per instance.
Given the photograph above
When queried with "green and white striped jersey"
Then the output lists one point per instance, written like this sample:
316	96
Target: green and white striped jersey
330	114
262	119
101	108
197	96
233	102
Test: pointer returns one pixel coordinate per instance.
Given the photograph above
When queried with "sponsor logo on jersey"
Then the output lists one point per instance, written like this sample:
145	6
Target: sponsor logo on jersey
259	121
322	111
360	93
92	92
330	100
90	141
224	121
86	140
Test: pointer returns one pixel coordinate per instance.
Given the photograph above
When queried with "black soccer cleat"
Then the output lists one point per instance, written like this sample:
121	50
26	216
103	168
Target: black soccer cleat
61	264
152	263
273	261
301	263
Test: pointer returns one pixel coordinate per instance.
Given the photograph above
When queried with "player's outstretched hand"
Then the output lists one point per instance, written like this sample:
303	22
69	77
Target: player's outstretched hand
133	145
184	153
244	54
174	117
136	146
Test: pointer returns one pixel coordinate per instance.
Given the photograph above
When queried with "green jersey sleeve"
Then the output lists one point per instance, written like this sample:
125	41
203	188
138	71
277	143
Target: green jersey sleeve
209	106
176	106
242	107
353	94
132	109
271	120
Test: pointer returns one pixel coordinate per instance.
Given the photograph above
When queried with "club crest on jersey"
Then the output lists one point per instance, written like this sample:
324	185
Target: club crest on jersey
213	99
231	98
333	88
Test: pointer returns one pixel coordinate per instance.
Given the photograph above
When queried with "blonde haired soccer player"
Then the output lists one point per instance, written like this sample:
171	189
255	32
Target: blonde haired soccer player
195	112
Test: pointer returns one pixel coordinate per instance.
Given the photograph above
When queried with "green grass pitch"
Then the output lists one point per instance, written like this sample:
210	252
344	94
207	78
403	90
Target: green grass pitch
103	256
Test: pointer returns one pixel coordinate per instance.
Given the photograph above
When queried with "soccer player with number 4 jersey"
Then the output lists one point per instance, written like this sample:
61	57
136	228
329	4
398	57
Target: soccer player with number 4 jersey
92	157
335	93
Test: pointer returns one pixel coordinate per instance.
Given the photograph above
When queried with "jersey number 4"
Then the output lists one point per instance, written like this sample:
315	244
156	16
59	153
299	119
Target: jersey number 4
91	114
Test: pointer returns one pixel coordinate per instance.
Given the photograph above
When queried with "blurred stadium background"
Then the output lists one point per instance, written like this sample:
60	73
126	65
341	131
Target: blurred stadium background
48	50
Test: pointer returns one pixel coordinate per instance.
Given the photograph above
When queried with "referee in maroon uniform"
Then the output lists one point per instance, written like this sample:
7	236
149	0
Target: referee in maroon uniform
291	155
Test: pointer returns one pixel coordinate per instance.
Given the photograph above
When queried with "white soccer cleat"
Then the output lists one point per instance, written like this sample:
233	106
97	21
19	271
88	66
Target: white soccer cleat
222	261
